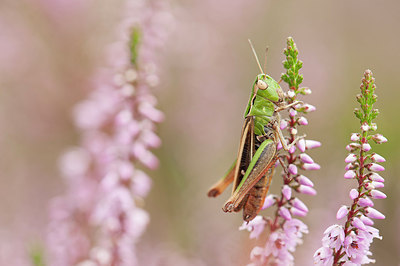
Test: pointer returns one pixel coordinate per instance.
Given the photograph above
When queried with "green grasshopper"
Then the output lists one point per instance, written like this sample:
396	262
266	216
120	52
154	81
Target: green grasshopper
253	169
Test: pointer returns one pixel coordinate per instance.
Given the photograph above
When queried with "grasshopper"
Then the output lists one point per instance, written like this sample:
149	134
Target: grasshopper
253	169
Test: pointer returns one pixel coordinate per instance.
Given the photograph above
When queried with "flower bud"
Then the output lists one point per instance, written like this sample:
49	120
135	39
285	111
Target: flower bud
377	158
357	223
366	147
349	174
287	192
374	214
365	202
350	158
299	205
353	194
303	180
311	166
285	214
311	144
376	194
284	124
303	121
292	169
355	137
301	144
268	202
375	167
342	212
307	190
305	158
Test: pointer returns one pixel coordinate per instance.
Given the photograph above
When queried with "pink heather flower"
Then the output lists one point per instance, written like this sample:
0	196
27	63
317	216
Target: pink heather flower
269	201
366	220
298	212
355	137
292	112
378	138
285	213
364	127
376	167
353	193
366	147
323	256
342	212
299	205
117	124
376	177
351	158
377	184
292	169
351	166
303	180
309	108
311	166
377	158
301	144
374	214
311	144
292	149
305	158
376	194
279	146
284	124
287	192
349	174
303	121
358	224
291	94
307	190
255	226
333	237
365	202
352	147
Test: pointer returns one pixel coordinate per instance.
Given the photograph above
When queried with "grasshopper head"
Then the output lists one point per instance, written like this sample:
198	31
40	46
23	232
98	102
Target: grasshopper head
268	88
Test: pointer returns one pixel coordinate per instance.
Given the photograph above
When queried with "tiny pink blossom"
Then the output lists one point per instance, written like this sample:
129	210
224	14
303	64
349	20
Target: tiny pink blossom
353	194
291	94
350	166
366	147
376	177
355	137
365	202
365	127
352	147
366	220
342	212
378	138
292	169
287	192
309	108
311	166
349	174
299	205
378	184
374	214
376	194
301	144
303	121
284	124
358	224
351	158
307	190
305	158
375	167
298	212
292	112
279	146
292	149
307	91
268	202
377	158
311	144
285	213
255	226
303	180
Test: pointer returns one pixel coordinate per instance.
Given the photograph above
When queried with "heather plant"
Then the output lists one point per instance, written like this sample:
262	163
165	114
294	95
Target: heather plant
100	218
349	244
284	231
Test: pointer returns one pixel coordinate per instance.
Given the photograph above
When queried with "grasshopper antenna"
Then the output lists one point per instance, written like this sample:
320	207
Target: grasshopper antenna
255	55
265	60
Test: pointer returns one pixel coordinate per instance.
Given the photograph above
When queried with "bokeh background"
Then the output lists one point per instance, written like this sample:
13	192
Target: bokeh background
49	49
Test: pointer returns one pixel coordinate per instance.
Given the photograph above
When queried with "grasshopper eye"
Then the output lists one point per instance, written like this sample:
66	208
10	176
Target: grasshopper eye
261	84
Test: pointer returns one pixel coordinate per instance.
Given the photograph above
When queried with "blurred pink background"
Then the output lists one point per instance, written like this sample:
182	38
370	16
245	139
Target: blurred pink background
50	49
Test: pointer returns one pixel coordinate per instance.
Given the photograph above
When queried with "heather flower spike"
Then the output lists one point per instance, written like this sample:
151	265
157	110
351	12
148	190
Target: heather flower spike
99	220
284	231
354	247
